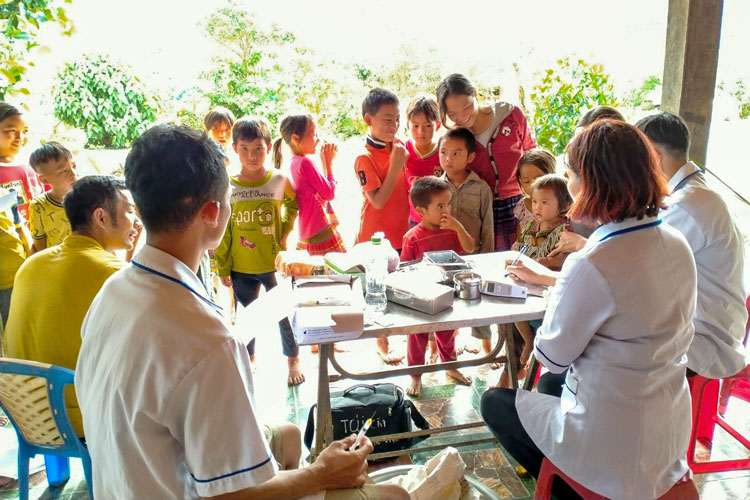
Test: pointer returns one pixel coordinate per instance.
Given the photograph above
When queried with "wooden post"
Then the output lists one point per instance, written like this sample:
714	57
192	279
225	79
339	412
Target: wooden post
690	61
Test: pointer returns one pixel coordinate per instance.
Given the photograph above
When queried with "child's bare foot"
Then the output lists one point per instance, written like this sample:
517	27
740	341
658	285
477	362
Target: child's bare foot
526	354
315	348
388	356
415	389
504	380
458	377
434	353
296	377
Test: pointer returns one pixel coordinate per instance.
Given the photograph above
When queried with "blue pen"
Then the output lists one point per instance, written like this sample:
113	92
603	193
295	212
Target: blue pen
520	252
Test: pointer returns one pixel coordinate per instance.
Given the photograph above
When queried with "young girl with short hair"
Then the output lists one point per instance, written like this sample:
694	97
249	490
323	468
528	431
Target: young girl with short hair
531	166
315	190
550	201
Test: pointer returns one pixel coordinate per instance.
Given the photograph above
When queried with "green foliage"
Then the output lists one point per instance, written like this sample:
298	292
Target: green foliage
743	99
408	75
21	22
564	93
251	74
638	96
105	99
264	71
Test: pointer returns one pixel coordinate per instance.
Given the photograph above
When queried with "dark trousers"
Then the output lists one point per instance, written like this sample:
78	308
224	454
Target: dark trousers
498	409
551	383
246	289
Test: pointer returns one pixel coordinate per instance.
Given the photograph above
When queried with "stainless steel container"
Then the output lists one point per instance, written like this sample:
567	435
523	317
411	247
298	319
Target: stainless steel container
467	285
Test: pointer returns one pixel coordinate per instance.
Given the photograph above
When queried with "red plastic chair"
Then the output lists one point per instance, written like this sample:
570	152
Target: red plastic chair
685	490
710	398
737	386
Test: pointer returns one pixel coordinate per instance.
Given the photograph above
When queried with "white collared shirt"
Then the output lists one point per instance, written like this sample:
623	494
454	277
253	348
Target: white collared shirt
703	217
619	320
165	391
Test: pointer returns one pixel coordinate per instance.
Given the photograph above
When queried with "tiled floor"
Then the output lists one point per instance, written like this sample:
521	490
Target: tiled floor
442	403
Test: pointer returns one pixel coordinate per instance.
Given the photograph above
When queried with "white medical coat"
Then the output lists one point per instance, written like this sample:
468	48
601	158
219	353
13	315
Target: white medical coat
620	321
703	217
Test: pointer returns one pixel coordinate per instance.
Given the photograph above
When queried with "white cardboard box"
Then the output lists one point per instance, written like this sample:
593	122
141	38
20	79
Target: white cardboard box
327	309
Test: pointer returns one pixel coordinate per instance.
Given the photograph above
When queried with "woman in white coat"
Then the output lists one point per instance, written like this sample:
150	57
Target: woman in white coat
620	322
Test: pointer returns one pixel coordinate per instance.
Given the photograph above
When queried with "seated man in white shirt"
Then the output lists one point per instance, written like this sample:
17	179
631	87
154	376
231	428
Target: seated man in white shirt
165	391
703	217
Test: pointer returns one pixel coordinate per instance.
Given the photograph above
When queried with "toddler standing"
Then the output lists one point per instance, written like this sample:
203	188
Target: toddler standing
437	231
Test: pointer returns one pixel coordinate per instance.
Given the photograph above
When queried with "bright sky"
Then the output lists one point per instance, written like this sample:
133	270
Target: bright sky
162	39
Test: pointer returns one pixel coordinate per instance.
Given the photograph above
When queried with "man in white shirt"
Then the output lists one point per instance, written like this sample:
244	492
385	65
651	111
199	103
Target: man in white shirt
165	391
703	217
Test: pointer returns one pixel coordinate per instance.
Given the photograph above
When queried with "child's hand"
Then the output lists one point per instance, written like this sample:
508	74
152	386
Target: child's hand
546	262
448	222
399	154
327	154
569	243
226	281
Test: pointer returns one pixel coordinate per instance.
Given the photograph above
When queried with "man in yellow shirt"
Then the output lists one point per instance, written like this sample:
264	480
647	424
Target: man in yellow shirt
54	288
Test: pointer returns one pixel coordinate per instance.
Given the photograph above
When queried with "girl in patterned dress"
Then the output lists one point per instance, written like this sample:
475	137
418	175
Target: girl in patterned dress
550	201
531	166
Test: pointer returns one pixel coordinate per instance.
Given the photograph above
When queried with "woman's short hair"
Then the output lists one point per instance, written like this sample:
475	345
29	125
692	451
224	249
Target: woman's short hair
619	172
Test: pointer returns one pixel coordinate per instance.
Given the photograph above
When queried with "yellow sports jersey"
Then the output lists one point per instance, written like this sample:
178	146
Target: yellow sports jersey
47	218
12	251
51	295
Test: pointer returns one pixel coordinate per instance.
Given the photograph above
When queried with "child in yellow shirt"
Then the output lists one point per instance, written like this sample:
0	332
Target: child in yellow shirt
47	220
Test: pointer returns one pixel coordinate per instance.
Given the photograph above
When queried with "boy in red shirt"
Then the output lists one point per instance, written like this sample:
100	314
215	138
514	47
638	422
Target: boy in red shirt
423	120
437	231
380	171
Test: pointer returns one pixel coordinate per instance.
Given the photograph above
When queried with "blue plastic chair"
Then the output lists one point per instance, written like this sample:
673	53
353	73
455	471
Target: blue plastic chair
32	395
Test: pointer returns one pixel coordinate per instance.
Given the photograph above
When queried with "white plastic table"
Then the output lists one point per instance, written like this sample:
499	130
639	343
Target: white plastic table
403	321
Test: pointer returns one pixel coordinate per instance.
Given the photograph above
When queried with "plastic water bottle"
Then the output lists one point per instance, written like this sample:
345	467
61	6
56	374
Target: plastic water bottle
377	269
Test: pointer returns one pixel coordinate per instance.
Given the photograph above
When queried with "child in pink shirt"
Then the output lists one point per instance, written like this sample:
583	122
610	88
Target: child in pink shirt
317	222
423	119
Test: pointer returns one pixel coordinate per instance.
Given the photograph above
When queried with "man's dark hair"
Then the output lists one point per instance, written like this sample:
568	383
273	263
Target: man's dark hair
172	171
425	188
463	134
599	113
249	128
47	152
89	193
667	131
376	98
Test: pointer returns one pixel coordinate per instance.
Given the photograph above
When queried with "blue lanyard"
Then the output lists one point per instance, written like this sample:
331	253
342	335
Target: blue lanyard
631	229
680	184
216	307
